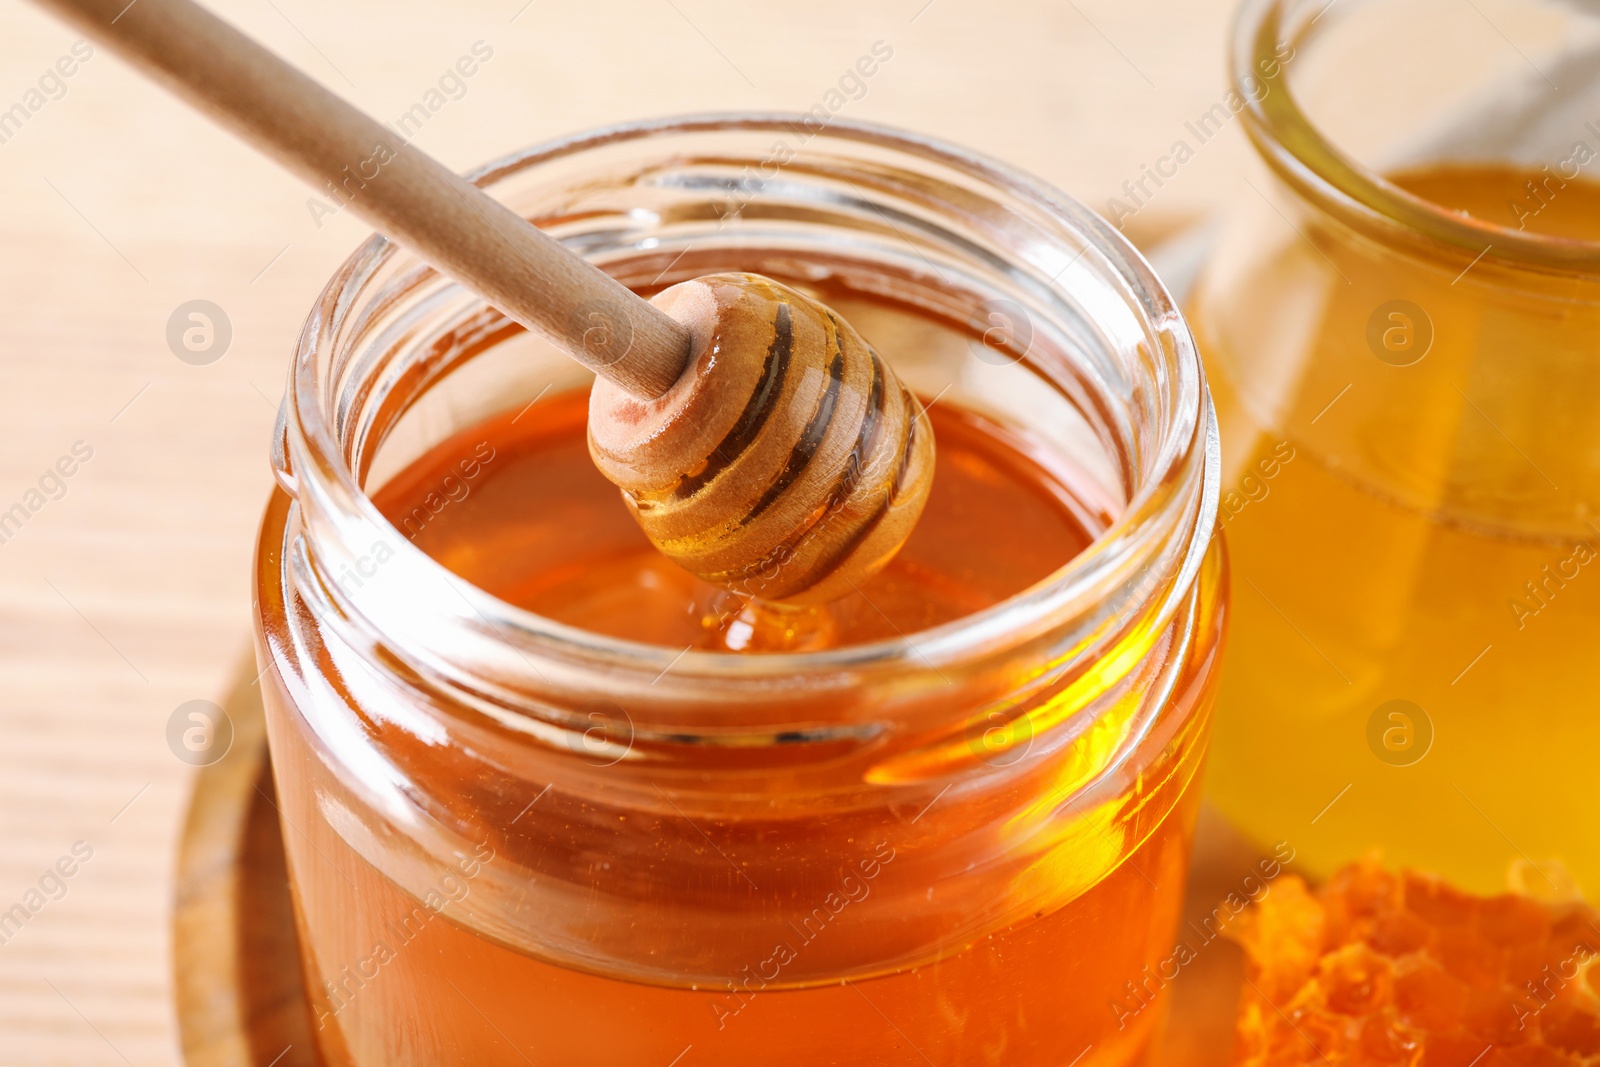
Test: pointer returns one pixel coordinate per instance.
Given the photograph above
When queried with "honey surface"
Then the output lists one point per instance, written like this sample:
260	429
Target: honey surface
1541	202
538	526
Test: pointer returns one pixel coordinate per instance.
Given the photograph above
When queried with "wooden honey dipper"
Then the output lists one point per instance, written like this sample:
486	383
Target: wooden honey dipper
758	439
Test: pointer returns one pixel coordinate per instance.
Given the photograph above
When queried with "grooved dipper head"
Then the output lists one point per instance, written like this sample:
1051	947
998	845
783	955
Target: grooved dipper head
787	463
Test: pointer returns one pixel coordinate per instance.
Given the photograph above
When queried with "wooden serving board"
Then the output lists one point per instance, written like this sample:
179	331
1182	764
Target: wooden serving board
242	1000
241	997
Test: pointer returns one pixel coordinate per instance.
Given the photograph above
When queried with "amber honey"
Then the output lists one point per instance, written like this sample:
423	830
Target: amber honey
393	982
1410	483
515	506
536	525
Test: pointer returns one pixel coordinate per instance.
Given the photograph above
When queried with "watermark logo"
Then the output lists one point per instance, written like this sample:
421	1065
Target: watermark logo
451	85
1004	332
1256	85
1400	333
603	330
851	86
50	887
451	489
1144	990
199	332
1000	737
1544	587
1399	733
605	738
854	887
199	732
340	990
1255	485
50	87
52	485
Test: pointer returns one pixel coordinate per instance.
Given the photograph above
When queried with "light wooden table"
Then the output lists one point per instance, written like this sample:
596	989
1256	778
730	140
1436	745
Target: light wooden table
128	595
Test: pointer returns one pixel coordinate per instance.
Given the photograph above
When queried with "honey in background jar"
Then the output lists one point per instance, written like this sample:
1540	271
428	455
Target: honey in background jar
1411	471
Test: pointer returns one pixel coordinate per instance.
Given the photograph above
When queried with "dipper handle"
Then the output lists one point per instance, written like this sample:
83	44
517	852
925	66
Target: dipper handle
403	192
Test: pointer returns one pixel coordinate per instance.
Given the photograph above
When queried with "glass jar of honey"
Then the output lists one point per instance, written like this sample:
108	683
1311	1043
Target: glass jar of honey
549	799
1402	327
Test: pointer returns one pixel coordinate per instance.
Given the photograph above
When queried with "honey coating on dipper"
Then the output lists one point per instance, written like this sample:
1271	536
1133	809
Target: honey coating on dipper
787	464
1384	968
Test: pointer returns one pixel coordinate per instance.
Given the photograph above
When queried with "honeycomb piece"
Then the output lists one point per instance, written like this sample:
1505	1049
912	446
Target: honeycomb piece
1401	969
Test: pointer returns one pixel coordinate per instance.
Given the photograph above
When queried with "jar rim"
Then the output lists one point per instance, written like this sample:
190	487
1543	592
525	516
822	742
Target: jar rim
1301	154
1188	451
